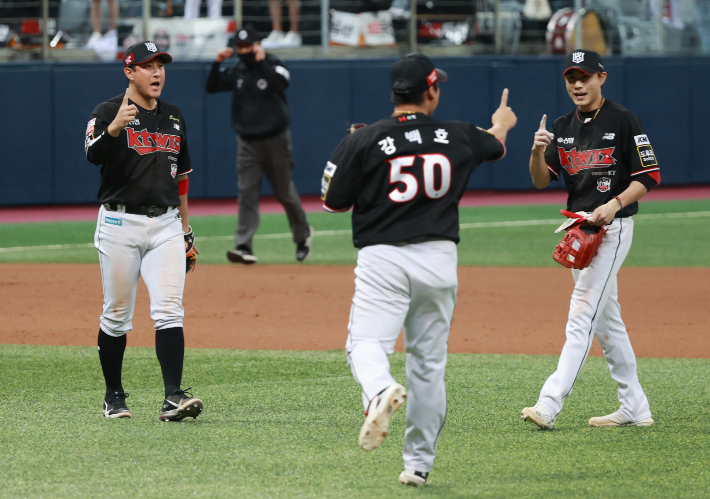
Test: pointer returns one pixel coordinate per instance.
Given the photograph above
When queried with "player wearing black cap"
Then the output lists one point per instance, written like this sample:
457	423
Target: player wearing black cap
404	177
142	229
260	117
608	164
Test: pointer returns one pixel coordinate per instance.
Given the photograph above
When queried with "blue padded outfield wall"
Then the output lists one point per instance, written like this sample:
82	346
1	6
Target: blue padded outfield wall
45	107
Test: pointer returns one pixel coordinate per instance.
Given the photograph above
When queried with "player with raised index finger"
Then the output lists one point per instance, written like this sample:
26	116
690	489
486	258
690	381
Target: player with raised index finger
140	142
606	160
404	177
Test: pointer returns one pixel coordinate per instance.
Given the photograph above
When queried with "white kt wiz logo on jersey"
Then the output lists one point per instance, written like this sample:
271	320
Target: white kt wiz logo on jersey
145	142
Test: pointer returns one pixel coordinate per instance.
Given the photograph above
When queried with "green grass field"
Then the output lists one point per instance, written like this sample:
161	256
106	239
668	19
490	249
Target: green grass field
490	236
285	424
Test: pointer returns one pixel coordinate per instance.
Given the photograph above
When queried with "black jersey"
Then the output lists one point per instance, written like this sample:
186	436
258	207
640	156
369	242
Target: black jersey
599	157
405	176
259	106
141	166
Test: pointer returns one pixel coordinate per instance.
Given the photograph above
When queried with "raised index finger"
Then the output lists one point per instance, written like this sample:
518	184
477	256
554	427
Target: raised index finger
504	98
125	99
543	122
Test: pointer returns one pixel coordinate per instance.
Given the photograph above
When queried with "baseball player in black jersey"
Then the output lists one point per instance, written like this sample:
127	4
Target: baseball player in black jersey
142	229
404	177
608	164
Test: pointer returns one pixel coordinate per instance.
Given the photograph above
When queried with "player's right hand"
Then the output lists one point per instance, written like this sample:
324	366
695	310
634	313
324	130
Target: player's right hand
543	138
224	53
126	113
504	115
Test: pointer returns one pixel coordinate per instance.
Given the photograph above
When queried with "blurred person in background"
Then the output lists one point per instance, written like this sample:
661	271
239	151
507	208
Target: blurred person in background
192	9
105	46
277	38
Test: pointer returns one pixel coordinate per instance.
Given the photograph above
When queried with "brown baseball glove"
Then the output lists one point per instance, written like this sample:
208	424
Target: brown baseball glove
580	244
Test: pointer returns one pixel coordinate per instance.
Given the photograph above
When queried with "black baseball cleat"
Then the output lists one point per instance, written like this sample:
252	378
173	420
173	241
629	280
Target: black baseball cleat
241	254
304	249
115	405
179	405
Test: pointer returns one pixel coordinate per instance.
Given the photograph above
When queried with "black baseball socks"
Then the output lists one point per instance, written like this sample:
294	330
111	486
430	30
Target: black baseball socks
170	349
111	349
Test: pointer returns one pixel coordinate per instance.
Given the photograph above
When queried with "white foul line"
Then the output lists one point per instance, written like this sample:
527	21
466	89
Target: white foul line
347	232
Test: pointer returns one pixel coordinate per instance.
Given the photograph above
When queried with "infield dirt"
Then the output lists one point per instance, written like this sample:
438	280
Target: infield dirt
276	307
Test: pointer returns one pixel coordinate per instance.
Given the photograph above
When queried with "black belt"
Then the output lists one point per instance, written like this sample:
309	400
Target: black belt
149	211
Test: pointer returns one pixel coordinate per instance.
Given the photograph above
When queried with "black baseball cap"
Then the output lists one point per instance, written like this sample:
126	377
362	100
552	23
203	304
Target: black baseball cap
247	34
586	61
143	52
414	73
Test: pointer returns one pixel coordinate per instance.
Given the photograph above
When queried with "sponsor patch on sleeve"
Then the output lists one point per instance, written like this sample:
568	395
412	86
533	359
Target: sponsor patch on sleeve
90	126
330	169
642	140
324	185
648	157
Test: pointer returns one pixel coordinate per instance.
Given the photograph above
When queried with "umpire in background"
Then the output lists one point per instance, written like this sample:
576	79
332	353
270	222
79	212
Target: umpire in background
260	117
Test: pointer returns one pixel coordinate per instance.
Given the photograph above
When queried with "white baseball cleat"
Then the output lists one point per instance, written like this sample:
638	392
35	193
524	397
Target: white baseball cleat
618	419
414	478
539	415
381	409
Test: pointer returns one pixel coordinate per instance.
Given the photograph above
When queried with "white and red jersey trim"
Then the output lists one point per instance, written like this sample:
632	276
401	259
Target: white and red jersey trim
333	210
649	170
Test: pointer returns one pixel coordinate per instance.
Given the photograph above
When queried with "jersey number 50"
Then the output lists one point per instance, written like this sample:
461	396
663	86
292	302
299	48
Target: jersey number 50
411	185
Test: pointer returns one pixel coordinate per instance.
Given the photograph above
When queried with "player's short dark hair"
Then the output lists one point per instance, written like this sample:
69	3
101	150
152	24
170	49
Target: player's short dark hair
416	99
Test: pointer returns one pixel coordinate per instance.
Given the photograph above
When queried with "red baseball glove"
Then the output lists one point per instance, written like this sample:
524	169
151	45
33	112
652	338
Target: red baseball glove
580	244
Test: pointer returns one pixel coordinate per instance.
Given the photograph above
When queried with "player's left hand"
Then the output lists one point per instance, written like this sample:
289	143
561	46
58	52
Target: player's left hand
604	214
259	52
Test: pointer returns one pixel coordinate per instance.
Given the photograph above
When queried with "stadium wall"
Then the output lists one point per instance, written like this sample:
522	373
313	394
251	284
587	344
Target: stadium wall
45	108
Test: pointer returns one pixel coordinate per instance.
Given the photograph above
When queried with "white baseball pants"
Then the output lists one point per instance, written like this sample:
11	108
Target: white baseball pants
595	312
134	245
411	287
